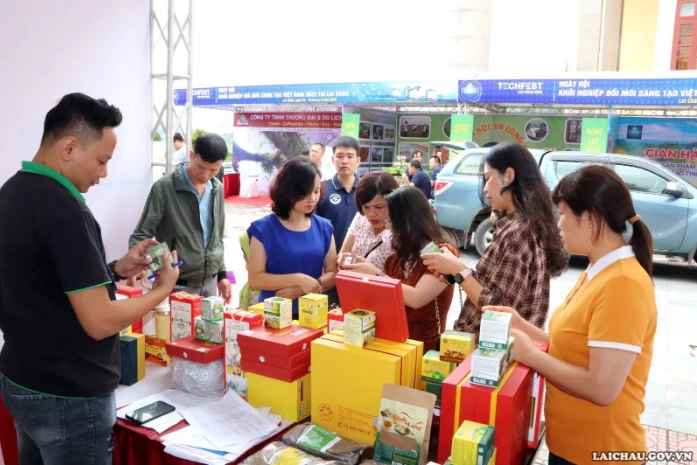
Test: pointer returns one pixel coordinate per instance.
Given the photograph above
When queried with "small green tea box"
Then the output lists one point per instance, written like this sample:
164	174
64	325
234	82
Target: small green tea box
359	327
200	329
488	366
215	331
212	308
278	312
433	368
495	330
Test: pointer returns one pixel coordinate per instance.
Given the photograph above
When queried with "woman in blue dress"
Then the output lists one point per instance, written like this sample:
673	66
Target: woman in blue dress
292	251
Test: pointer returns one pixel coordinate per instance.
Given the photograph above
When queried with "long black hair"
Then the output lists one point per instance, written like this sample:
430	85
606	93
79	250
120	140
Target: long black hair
602	193
413	223
531	197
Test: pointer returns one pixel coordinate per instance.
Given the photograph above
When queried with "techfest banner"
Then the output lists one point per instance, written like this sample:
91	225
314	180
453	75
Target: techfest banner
356	92
681	91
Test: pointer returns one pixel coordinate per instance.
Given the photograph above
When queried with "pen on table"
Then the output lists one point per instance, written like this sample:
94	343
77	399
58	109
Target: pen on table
174	265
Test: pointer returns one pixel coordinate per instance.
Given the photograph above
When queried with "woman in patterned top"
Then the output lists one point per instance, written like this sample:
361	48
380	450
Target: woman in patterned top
369	237
427	296
526	251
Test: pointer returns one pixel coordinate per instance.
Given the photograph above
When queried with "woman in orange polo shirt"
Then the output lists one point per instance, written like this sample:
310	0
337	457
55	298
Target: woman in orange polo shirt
601	338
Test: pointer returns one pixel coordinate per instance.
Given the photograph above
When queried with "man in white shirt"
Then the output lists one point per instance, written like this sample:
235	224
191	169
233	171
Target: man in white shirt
180	155
316	155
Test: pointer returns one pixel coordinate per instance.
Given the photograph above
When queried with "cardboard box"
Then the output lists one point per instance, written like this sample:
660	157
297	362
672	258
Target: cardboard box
278	361
282	342
132	358
215	330
125	331
489	366
455	346
434	387
192	349
359	327
290	400
335	320
495	330
235	323
156	351
506	407
434	368
185	308
212	308
347	386
359	339
492	459
404	428
473	444
278	312
408	353
313	310
257	308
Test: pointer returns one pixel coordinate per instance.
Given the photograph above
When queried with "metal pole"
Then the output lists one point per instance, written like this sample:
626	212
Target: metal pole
190	80
170	86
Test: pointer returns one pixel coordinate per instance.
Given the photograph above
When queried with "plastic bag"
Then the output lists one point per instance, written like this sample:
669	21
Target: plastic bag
329	446
198	379
278	453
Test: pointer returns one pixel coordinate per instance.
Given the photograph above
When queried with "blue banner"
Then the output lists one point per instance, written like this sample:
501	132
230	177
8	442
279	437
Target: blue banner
358	92
682	91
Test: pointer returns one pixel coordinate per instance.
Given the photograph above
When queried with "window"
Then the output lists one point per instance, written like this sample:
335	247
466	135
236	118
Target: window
470	164
641	180
684	37
557	169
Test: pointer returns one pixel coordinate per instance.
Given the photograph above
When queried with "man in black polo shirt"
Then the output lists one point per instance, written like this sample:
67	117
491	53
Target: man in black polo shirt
60	363
419	178
337	202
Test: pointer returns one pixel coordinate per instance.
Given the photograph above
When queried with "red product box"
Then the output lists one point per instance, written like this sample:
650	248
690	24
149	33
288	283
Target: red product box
195	350
278	361
285	342
377	294
335	320
237	321
184	309
270	371
507	408
127	291
538	395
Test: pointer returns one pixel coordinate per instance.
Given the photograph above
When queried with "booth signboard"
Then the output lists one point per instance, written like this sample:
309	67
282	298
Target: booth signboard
461	128
594	135
349	125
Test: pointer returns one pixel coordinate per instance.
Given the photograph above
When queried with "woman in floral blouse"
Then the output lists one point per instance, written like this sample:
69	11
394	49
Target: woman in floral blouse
370	236
526	251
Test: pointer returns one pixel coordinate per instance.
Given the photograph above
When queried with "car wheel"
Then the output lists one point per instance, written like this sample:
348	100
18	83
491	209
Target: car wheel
484	235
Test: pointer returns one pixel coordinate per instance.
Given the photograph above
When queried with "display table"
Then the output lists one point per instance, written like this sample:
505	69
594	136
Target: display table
231	184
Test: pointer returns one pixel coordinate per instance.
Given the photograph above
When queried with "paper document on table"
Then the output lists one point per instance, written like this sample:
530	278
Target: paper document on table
228	421
178	399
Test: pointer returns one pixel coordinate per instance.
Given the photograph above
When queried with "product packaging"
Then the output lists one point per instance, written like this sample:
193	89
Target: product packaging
212	308
495	330
455	346
313	310
319	442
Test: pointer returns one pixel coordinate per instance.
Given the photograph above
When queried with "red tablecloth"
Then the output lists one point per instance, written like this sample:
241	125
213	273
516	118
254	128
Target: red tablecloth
8	437
134	445
231	184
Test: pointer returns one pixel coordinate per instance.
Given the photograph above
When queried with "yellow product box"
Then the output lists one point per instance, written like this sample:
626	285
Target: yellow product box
290	400
125	331
434	368
347	385
492	460
257	308
156	352
473	444
313	310
278	312
406	352
455	346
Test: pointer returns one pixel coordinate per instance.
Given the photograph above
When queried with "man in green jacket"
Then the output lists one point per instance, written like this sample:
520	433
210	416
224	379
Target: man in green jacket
186	209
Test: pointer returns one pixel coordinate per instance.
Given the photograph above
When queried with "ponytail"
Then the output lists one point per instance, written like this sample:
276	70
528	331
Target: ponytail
642	244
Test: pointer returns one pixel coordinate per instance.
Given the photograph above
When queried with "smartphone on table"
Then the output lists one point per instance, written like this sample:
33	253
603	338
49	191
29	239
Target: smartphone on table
150	412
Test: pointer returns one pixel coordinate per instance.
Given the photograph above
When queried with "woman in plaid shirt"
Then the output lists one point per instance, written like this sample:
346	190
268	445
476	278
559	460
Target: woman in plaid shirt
526	251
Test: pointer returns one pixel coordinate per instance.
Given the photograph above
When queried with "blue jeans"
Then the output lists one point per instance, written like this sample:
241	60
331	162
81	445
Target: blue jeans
59	431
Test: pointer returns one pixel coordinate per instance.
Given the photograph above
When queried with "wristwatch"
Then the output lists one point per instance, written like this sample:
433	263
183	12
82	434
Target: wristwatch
462	275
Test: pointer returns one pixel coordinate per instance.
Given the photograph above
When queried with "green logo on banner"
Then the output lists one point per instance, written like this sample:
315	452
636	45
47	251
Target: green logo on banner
461	128
594	135
349	124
